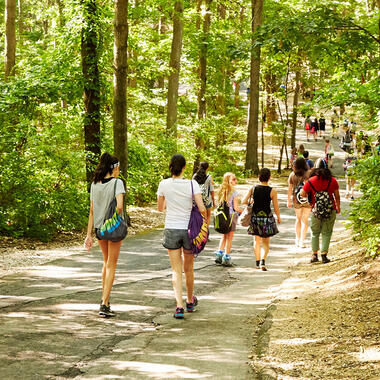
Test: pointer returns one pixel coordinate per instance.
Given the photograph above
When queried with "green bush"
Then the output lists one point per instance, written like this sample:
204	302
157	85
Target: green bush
365	211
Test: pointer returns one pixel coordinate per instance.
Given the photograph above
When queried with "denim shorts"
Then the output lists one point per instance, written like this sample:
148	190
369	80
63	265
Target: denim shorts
176	239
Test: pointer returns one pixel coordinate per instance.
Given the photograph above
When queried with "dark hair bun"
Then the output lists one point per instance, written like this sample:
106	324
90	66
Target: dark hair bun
177	163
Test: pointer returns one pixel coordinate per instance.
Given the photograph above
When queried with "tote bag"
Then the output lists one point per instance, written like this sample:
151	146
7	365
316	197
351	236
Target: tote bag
114	227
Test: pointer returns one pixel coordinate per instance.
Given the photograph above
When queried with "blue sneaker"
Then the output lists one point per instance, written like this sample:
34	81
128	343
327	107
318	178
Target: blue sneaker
218	256
226	261
179	313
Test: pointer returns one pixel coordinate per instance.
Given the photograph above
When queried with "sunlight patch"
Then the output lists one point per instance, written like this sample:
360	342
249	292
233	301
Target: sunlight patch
295	341
371	354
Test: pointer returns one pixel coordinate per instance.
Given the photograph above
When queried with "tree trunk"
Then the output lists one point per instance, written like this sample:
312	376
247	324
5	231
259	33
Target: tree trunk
91	91
251	160
295	109
10	37
175	63
270	86
201	108
20	22
120	129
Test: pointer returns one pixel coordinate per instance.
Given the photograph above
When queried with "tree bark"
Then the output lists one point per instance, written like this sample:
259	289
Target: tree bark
201	108
91	91
10	37
175	64
295	109
251	160
120	129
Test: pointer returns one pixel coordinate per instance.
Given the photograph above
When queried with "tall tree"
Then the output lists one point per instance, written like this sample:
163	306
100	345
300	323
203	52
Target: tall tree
10	36
201	100
91	88
251	158
120	140
174	65
295	107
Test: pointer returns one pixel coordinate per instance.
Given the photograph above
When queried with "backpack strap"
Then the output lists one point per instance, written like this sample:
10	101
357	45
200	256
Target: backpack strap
328	184
312	186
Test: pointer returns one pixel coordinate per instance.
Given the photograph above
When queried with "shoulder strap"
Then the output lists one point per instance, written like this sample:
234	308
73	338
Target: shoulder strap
114	188
312	186
328	184
192	189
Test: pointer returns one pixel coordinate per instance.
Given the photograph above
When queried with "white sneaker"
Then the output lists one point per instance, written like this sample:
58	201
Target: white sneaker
302	244
296	242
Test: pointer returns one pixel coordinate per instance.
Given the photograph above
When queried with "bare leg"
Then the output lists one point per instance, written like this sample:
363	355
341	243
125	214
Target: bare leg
113	255
188	265
208	216
257	247
175	258
305	213
103	244
229	238
298	212
265	242
223	242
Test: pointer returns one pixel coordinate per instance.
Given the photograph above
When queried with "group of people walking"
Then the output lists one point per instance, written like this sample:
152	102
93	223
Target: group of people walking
176	196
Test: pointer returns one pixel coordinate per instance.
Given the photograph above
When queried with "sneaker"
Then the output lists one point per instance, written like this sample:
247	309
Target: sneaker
257	264
219	256
191	305
179	313
105	311
301	244
296	242
352	198
314	258
325	260
262	265
227	260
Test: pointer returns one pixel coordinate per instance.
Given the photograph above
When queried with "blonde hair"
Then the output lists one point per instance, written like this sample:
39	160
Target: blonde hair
226	188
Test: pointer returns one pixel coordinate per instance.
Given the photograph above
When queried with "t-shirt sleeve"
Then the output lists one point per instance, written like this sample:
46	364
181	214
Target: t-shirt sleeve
160	190
119	187
196	188
334	184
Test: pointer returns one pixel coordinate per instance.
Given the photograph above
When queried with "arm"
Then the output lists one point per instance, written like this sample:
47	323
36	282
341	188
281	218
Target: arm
247	196
212	192
236	205
199	203
273	195
88	241
290	192
337	200
161	203
119	203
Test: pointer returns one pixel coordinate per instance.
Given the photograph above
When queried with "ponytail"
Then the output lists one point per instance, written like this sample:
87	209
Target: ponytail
106	165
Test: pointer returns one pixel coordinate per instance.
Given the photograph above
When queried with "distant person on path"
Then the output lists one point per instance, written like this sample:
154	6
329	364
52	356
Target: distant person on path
293	156
322	126
263	224
309	162
102	192
307	127
348	166
301	151
315	128
302	208
175	195
227	193
329	153
206	185
325	200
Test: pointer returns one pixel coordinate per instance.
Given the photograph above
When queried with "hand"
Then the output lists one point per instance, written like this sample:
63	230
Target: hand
279	220
337	209
88	243
289	204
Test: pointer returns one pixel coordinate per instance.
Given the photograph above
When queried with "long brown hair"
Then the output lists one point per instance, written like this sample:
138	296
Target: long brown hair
106	165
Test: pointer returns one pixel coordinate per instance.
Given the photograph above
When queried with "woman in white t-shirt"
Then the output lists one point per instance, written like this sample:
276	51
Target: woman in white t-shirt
175	195
103	191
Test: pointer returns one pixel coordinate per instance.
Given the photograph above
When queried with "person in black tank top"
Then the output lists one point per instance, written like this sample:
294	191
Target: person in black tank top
263	225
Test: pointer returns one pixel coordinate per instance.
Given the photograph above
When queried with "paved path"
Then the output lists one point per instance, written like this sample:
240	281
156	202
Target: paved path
50	328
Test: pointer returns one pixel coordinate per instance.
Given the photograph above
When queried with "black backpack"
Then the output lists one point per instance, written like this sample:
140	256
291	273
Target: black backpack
297	193
323	205
222	218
